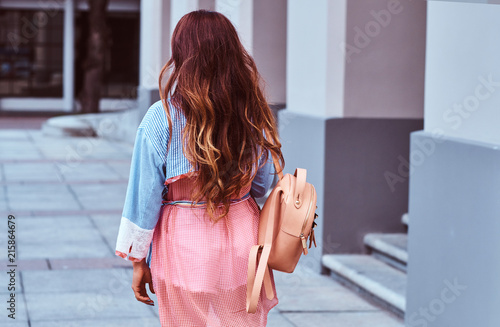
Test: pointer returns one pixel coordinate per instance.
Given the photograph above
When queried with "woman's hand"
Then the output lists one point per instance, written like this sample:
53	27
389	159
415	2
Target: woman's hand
141	276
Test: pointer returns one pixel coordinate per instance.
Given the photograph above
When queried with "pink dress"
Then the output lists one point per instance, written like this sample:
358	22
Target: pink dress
199	268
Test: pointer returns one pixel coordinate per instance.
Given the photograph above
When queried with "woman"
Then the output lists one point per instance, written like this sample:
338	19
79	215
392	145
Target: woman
200	158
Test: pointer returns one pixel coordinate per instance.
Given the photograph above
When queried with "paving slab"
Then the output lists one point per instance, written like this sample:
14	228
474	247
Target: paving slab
58	250
304	277
108	150
116	280
4	206
84	305
89	171
16	324
59	237
101	196
317	299
3	192
57	149
124	147
79	148
275	319
107	225
14	135
25	197
41	229
2	174
343	319
122	168
18	150
31	171
90	263
34	264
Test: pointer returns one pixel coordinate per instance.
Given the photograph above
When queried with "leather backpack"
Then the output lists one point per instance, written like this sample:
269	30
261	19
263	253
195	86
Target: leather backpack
286	223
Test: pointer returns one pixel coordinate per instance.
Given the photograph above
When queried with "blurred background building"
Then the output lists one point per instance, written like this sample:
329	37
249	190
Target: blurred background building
42	48
350	80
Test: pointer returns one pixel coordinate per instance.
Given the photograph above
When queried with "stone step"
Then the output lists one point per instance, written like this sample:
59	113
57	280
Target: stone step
405	219
389	248
371	278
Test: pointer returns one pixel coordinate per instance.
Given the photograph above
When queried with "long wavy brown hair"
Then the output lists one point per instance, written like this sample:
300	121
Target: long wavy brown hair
215	82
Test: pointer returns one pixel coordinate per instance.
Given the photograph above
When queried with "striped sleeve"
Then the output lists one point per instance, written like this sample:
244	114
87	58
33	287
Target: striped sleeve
145	187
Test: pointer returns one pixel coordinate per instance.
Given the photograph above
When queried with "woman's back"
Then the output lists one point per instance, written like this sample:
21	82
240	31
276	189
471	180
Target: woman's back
201	155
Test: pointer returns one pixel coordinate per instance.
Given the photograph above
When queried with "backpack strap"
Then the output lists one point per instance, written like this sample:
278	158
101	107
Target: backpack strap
259	273
276	163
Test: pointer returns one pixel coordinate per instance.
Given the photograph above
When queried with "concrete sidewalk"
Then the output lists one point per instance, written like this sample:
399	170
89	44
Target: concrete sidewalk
66	196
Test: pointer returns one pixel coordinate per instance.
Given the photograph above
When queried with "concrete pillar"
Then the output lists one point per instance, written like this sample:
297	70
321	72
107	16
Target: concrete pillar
315	66
240	12
261	25
178	9
69	56
154	50
454	262
463	102
314	29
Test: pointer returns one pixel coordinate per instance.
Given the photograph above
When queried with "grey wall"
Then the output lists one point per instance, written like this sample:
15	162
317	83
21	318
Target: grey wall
269	46
366	185
454	233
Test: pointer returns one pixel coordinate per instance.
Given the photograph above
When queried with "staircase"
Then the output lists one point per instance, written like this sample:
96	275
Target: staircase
380	275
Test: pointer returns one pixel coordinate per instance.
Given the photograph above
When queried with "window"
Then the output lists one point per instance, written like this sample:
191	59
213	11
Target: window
31	55
121	67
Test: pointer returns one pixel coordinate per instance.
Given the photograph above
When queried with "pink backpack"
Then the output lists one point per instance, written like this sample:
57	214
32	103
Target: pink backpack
286	223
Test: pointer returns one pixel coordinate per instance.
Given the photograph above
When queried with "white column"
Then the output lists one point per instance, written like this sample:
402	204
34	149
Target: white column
178	9
462	82
315	64
240	12
151	43
69	55
154	50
